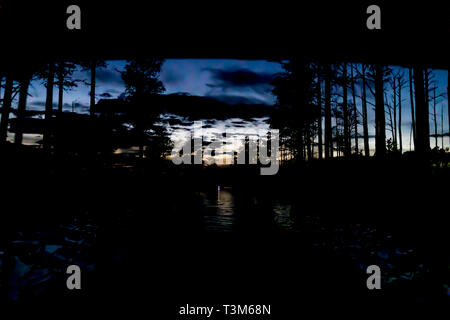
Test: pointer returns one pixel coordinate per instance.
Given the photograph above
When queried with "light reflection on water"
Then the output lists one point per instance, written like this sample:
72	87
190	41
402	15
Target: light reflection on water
221	213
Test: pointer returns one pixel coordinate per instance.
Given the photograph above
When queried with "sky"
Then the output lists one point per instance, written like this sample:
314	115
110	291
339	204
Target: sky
231	81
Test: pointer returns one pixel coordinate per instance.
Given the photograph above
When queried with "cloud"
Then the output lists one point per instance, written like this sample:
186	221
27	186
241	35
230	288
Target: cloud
40	104
105	95
240	86
113	91
108	76
235	99
199	107
37	103
77	107
239	78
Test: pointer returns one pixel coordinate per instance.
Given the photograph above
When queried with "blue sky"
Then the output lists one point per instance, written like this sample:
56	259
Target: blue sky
232	81
193	76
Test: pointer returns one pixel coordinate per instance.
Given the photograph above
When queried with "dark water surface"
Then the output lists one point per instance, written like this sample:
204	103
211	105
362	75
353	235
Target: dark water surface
221	213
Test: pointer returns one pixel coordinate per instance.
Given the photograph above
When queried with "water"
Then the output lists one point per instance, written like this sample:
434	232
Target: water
221	213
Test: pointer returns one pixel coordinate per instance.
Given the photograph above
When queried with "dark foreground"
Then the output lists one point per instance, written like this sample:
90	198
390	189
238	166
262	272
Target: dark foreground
143	244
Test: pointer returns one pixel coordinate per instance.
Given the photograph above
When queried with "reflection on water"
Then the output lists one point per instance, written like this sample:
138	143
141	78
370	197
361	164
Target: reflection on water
219	211
222	214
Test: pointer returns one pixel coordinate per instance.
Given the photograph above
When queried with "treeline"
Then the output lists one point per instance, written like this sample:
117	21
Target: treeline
320	108
141	83
54	74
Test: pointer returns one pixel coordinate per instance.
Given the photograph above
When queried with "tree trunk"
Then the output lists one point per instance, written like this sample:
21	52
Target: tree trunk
435	119
355	111
442	126
6	109
328	128
49	106
427	102
92	105
308	142
60	88
319	124
347	146
394	128
400	114
364	112
422	144
23	94
339	139
380	122
411	97
300	152
391	123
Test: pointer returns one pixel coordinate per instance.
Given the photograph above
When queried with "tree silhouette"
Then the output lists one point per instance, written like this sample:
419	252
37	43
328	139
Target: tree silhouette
393	82
1	85
296	111
427	76
161	145
392	121
401	83
355	109
435	119
327	113
65	82
23	95
364	111
47	74
422	144
345	113
319	107
141	77
92	66
442	126
6	108
435	99
379	74
411	99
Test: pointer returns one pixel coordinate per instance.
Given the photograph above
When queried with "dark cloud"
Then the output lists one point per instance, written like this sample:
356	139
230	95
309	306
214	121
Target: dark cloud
76	107
40	105
239	122
113	91
79	107
105	95
108	76
233	99
198	107
37	103
240	86
239	78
